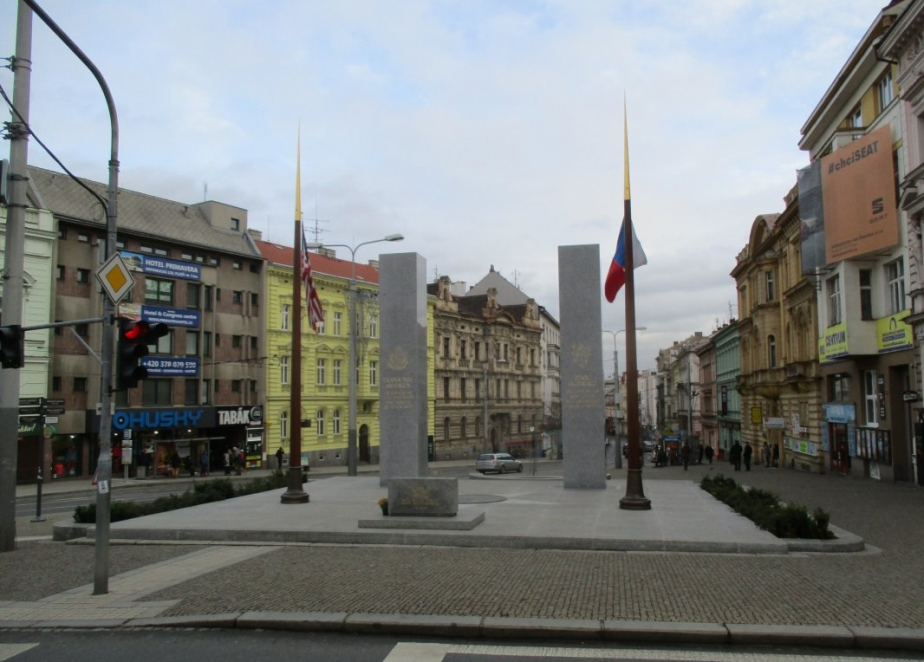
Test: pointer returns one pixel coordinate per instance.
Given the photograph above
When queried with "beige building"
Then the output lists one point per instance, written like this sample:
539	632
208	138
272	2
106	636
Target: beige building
779	381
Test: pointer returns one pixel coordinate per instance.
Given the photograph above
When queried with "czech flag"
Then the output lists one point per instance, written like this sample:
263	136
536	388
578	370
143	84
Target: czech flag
616	277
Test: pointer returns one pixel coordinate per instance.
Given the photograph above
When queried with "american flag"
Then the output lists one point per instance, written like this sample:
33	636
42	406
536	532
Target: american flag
313	302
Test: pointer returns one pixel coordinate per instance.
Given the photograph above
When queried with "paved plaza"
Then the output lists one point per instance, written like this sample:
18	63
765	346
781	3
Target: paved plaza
688	570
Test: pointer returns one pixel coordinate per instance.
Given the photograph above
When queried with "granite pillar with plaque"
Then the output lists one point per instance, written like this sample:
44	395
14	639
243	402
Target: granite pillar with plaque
583	415
403	359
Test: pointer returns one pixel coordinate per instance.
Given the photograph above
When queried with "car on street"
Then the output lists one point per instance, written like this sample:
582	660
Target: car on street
500	462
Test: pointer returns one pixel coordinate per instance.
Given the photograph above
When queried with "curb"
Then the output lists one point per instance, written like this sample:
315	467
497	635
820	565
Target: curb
489	627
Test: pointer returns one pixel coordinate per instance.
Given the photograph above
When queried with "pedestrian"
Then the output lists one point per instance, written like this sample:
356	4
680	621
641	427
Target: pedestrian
204	463
226	460
280	456
175	464
241	464
748	451
709	453
735	455
702	451
766	454
685	453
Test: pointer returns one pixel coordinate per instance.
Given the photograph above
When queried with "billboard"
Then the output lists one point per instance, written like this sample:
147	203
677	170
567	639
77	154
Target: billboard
858	189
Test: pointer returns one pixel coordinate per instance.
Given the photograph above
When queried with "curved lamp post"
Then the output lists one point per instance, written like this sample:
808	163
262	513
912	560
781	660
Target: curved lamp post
354	330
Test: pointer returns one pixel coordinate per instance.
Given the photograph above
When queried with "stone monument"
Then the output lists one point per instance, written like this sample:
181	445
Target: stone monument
583	414
403	357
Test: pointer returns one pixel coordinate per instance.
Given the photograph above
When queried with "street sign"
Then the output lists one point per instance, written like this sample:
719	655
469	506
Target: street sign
29	419
30	402
115	278
53	402
24	411
54	411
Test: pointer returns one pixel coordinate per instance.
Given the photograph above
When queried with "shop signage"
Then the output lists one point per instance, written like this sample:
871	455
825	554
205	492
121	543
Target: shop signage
28	429
160	366
910	396
154	419
189	319
54	402
161	266
892	334
54	411
801	446
833	345
775	423
240	415
30	402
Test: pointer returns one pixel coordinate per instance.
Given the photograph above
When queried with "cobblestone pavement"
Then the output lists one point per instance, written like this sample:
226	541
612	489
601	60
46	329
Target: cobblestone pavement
880	588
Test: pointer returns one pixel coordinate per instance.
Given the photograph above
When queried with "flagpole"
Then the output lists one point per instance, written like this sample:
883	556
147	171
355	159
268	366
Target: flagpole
294	492
635	495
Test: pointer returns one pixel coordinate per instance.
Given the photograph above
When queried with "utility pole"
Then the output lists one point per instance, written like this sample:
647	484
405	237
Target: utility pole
13	271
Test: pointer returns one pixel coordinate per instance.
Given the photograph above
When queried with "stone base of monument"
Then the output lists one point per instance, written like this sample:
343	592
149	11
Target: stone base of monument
462	522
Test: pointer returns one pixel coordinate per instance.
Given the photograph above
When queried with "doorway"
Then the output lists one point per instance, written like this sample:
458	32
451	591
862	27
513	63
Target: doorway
840	456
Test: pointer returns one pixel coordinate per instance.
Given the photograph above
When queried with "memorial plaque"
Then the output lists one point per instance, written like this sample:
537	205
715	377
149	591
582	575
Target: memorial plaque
423	497
582	408
403	356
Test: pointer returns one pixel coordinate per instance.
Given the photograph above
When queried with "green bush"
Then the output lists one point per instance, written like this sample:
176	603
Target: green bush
202	492
766	511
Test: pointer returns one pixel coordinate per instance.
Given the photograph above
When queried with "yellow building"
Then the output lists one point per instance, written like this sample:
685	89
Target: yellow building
325	359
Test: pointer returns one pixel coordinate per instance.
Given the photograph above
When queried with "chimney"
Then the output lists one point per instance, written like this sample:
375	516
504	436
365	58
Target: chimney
328	252
374	264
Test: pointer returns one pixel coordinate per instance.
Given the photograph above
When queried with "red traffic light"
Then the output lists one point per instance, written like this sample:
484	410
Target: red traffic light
138	331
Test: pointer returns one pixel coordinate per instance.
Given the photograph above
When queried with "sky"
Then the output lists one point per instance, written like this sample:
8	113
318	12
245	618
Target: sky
487	132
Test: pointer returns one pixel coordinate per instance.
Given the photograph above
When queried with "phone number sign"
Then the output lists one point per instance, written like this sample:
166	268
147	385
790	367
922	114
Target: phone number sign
158	366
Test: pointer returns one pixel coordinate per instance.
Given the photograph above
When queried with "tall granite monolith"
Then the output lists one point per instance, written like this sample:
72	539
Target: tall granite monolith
403	357
583	416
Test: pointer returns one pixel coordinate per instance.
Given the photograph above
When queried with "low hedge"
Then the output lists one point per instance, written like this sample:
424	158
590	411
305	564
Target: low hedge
766	511
202	492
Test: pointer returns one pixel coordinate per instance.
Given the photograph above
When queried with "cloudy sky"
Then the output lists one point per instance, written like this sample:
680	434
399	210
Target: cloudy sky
486	132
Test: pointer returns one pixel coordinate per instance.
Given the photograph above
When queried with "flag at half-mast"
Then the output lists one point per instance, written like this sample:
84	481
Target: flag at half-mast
616	277
315	310
312	301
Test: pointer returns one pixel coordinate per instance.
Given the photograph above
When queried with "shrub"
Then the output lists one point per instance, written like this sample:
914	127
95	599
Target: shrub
202	492
766	511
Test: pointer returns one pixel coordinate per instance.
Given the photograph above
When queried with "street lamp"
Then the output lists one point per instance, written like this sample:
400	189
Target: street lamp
354	330
616	390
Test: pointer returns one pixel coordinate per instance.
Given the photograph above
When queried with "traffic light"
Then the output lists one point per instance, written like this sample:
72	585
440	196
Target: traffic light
11	347
132	346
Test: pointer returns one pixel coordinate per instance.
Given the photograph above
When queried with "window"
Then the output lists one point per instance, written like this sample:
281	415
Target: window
337	368
373	326
771	351
321	328
336	421
834	300
236	224
320	419
462	389
869	397
463	428
192	295
254	299
446	389
338	323
62	233
236	342
207	343
283	369
161	252
895	275
520	422
56	383
462	354
771	293
253	343
477	390
80	384
477	351
159	292
192	343
236	385
254	267
855	121
532	356
284	425
373	373
284	317
885	91
207	304
83	275
84	237
322	372
191	388
840	387
446	347
186	256
519	357
519	390
60	272
83	330
164	344
446	427
866	294
205	396
237	297
214	261
156	392
236	265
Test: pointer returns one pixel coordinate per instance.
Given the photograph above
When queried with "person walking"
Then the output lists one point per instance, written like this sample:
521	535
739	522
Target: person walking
226	460
766	454
735	455
175	465
280	456
241	464
709	452
748	451
702	451
204	463
685	453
